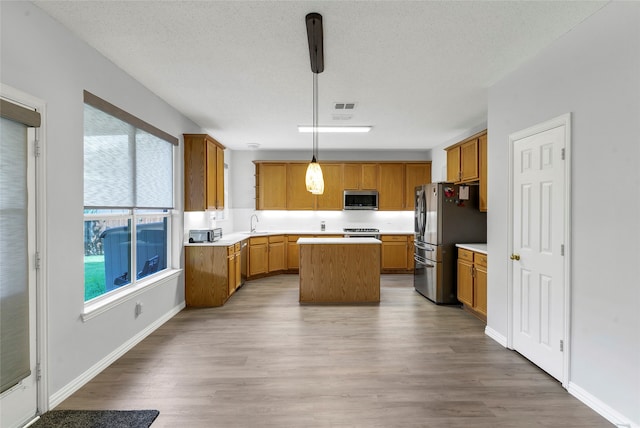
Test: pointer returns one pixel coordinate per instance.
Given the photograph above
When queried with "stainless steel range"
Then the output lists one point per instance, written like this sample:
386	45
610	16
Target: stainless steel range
361	232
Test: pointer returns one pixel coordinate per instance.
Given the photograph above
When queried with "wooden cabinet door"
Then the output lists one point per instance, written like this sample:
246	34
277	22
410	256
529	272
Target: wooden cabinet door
219	173
469	160
391	187
298	198
272	186
480	290
482	146
453	164
352	176
415	174
258	259
211	174
293	254
360	176
369	176
394	252
276	253
231	269
465	282
331	199
238	267
200	168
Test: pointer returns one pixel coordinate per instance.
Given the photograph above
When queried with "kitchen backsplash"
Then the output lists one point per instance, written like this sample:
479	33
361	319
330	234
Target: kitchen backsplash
238	220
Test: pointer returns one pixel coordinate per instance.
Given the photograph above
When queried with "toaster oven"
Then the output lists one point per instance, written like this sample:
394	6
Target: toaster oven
205	235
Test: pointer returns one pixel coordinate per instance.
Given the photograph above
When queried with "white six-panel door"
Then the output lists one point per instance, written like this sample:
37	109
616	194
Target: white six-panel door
538	234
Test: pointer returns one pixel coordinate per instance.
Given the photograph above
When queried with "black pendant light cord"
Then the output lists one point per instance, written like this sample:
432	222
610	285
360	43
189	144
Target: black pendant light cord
315	116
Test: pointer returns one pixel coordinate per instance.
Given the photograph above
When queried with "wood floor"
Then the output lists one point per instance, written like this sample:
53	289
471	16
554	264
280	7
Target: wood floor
262	360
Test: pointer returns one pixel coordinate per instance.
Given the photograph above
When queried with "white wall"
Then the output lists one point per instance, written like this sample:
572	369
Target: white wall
42	59
594	73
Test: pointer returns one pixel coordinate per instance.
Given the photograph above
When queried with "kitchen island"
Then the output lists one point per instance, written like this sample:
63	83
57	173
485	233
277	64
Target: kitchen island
339	270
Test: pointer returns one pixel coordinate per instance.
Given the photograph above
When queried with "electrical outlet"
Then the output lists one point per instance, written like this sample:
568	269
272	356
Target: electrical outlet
138	309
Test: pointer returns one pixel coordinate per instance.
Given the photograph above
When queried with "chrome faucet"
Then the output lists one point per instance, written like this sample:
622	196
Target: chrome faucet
253	228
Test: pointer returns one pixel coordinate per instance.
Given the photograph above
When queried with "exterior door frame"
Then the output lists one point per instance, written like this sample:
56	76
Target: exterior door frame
42	300
563	120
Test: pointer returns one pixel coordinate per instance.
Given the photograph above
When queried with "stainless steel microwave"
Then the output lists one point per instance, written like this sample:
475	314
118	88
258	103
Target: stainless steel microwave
360	199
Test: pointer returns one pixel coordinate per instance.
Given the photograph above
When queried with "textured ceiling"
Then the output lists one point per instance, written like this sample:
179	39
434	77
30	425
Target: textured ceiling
418	70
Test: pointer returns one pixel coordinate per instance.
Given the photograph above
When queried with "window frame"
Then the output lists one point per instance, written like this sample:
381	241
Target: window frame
98	304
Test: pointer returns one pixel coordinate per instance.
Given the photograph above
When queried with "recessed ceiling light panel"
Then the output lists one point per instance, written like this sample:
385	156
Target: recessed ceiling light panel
336	129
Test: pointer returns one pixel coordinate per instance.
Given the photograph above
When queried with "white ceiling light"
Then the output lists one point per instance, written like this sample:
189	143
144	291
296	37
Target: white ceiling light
343	129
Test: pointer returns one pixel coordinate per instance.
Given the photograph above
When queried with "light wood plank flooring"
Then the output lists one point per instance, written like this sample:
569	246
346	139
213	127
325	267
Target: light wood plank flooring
262	360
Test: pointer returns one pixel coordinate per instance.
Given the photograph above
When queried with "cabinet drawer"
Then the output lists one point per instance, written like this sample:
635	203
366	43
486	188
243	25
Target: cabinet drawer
277	238
258	240
293	238
236	247
480	259
230	250
465	254
393	238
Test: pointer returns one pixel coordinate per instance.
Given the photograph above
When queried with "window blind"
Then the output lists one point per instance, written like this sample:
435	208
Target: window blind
126	165
14	271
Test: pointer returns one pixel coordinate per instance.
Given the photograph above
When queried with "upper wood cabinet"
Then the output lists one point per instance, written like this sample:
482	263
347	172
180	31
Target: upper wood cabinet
298	198
415	174
331	199
462	162
467	162
281	185
271	186
360	176
482	141
203	173
391	187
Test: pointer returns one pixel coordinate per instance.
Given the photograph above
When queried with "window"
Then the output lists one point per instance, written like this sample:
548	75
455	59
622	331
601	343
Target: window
128	195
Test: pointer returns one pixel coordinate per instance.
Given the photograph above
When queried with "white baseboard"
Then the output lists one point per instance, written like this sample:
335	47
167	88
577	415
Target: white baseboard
495	336
601	408
66	391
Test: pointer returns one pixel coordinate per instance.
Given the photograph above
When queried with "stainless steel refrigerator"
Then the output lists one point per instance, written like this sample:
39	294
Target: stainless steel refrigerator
446	214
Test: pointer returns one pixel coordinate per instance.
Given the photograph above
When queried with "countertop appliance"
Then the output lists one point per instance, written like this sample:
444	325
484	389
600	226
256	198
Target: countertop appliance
360	200
445	214
205	235
361	232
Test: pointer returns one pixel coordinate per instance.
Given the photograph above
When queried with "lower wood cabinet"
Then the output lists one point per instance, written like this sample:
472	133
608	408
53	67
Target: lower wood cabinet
210	275
397	253
267	254
277	252
472	282
258	261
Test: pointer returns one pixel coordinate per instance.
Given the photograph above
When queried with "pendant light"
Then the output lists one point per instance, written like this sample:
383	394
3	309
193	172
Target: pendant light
314	179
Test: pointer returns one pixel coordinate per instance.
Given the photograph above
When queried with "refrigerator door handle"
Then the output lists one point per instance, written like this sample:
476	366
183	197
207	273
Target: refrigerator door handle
422	247
422	261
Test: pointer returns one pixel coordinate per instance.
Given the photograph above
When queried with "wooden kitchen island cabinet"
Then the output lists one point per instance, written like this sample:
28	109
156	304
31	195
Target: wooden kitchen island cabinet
339	270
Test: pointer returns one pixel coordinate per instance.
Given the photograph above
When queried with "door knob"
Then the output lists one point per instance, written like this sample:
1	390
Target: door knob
515	256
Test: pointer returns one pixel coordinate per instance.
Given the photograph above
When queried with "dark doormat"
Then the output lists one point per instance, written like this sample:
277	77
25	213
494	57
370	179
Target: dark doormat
96	419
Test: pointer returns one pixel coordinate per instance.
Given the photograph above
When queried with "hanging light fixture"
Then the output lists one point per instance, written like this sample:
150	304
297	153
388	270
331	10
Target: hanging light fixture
314	179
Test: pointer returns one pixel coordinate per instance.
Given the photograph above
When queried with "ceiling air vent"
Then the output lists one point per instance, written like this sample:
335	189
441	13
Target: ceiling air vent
344	107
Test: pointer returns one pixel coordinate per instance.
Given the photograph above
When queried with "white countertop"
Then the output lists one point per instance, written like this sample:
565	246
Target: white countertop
303	241
234	237
477	247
